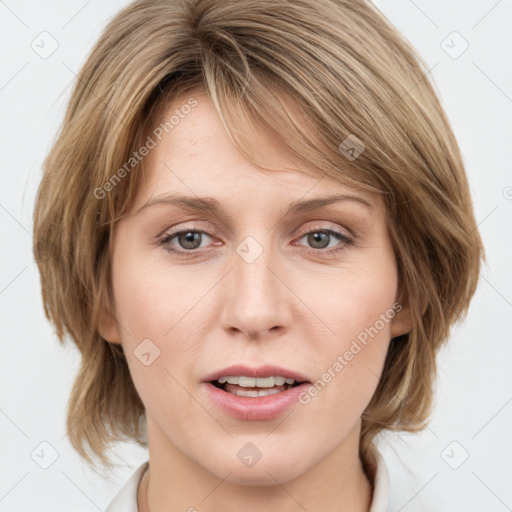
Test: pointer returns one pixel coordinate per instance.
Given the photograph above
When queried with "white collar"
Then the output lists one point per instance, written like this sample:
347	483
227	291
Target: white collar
126	498
380	501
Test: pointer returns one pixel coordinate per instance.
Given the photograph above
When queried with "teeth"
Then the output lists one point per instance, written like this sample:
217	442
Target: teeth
255	393
259	382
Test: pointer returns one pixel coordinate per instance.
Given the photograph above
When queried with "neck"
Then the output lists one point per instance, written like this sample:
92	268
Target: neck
337	483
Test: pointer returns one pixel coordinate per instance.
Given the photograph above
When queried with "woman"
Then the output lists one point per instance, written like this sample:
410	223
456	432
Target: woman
258	232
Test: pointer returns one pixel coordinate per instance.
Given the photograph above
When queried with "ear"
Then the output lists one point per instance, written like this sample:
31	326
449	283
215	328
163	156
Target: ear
107	323
402	321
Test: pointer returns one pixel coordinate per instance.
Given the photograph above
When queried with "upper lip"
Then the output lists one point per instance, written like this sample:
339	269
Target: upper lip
260	371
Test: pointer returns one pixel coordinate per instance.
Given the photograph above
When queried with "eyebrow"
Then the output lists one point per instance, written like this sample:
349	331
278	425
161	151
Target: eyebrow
212	205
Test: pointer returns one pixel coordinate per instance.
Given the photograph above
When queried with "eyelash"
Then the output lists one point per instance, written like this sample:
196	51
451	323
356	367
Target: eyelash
342	237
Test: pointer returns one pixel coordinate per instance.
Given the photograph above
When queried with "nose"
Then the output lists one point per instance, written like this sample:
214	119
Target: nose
256	300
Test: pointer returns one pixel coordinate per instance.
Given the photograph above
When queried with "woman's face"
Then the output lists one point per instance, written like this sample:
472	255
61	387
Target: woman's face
244	278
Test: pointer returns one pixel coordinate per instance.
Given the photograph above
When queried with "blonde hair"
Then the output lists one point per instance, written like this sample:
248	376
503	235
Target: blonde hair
347	72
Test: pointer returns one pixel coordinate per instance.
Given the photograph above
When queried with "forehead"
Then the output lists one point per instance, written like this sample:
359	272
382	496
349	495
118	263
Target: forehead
194	156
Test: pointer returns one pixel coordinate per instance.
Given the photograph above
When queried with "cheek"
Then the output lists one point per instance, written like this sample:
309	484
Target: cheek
150	300
152	306
359	310
358	299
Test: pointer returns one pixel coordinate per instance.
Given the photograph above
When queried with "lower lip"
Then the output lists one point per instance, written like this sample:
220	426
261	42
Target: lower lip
255	408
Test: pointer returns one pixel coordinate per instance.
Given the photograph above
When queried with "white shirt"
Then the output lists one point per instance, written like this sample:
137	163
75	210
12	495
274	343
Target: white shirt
126	498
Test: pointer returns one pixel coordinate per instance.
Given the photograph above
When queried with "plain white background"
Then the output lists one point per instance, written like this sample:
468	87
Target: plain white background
461	461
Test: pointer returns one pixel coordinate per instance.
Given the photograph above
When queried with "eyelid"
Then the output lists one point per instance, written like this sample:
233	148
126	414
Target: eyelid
197	226
320	226
205	226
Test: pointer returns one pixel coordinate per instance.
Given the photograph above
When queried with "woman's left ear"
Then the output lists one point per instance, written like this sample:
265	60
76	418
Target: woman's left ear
401	322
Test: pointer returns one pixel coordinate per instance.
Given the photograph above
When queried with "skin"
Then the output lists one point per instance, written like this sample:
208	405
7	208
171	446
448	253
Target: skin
293	306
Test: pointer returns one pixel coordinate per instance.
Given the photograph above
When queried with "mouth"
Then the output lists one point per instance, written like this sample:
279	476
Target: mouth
255	387
262	393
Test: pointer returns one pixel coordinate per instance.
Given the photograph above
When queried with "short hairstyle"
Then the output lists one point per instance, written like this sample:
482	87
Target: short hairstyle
349	76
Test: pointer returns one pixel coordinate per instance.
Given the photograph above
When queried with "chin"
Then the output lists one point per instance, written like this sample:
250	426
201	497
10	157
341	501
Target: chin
264	472
275	475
